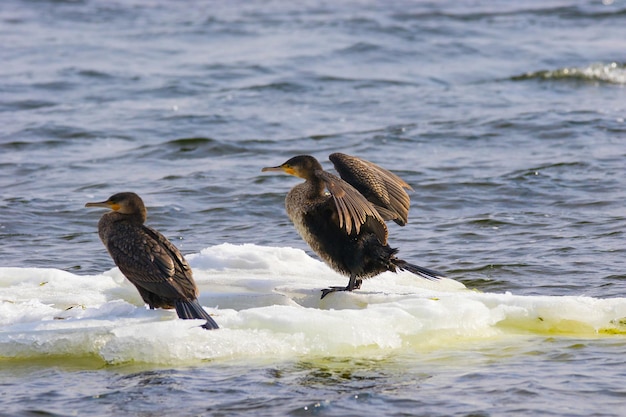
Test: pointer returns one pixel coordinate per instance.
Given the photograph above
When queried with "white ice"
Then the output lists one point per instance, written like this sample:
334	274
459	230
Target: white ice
267	303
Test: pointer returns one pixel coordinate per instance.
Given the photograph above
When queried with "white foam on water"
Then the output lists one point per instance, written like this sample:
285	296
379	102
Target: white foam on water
267	303
613	73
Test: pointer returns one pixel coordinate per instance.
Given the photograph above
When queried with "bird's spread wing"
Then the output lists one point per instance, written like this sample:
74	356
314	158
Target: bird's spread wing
384	189
352	208
146	258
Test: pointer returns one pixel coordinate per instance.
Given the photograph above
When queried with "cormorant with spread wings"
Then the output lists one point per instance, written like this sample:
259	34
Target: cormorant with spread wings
346	225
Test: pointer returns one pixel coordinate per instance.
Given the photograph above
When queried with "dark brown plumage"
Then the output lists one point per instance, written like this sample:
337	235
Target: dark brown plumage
149	261
346	226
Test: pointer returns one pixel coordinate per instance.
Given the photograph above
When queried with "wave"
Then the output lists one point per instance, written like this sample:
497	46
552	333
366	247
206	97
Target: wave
267	302
613	73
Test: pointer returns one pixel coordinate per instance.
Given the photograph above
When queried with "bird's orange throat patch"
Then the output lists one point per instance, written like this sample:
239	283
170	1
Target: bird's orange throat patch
290	171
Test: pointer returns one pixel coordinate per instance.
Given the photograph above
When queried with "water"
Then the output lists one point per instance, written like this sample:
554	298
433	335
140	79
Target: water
506	119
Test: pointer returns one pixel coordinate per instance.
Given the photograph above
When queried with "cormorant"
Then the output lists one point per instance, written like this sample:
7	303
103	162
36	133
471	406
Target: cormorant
346	225
149	261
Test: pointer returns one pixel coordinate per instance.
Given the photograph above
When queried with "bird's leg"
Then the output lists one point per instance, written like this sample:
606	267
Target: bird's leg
353	284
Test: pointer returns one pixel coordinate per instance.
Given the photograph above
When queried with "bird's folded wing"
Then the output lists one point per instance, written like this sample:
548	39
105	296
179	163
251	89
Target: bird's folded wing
147	263
172	262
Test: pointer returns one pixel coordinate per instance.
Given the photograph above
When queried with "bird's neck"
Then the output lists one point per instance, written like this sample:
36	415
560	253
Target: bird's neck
135	218
314	187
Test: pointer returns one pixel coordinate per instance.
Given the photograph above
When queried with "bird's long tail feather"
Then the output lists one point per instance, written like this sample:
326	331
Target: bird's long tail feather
193	310
418	270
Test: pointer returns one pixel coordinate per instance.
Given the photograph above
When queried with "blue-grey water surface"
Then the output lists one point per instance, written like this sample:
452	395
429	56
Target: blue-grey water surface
507	119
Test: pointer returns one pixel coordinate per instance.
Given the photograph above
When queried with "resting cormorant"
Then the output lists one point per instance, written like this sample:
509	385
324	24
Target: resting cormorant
346	225
149	261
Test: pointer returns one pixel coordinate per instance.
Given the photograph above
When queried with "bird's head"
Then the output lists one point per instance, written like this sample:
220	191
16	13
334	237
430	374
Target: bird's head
125	203
302	166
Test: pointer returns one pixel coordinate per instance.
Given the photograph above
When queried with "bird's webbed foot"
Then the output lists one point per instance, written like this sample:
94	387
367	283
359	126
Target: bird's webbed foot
354	284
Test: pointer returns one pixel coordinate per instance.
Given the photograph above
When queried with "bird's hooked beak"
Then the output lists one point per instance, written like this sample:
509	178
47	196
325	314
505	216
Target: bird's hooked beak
281	168
105	204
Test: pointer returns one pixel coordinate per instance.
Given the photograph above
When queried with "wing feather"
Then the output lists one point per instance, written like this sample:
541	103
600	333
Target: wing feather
379	186
151	262
353	208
